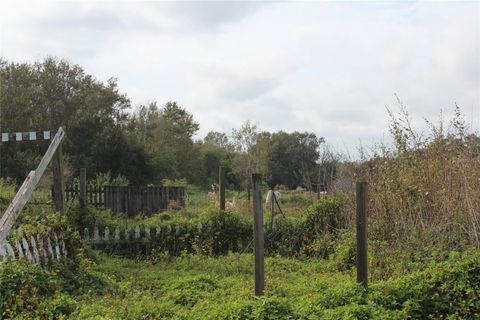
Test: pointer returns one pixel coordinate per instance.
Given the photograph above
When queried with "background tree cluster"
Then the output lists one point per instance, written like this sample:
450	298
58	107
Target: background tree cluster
147	145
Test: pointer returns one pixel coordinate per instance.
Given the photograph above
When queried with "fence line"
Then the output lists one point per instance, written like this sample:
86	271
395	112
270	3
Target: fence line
144	234
39	249
131	199
95	194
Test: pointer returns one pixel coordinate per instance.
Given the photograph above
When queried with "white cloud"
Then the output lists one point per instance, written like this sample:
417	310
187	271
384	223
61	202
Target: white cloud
325	67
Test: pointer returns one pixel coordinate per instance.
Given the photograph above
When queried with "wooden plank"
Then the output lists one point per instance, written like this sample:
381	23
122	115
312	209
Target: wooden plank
102	196
183	198
362	259
258	237
58	180
119	199
158	196
147	201
108	197
83	186
125	201
16	206
95	195
164	206
221	184
150	200
26	190
133	202
155	200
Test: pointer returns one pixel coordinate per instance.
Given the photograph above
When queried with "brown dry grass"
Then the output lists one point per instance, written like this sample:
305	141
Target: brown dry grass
426	190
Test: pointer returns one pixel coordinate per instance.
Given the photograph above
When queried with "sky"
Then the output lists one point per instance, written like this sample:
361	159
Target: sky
332	68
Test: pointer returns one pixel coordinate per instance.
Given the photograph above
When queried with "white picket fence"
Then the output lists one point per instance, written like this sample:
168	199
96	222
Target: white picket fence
135	234
39	249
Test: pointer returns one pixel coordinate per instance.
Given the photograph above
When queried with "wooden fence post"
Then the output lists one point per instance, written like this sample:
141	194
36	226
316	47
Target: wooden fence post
362	260
258	235
221	184
83	186
58	181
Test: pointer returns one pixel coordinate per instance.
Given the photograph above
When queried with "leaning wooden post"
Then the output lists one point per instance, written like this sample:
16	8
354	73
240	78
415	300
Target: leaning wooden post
58	181
26	190
221	184
83	186
362	260
258	235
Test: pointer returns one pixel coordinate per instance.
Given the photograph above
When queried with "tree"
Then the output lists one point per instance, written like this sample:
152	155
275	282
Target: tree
218	139
292	158
178	122
251	147
53	93
167	134
328	167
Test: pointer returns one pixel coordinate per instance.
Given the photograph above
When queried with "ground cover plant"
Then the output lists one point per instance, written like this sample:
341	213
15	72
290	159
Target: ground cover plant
199	287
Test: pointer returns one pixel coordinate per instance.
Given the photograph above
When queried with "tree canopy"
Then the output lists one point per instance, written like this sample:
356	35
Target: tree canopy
147	145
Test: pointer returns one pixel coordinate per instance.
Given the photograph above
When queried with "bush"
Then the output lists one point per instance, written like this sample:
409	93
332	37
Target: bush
23	287
187	292
264	308
296	198
30	291
448	289
325	215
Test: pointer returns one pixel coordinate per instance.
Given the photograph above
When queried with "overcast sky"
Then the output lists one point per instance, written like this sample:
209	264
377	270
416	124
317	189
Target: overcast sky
331	68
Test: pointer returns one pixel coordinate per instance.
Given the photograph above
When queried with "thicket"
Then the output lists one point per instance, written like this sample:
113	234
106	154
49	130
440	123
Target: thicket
423	192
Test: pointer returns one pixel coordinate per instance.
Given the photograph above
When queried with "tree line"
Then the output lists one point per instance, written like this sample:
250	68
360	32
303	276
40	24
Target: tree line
147	145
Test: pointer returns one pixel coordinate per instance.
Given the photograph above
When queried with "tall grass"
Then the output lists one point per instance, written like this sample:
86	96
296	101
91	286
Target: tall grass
426	189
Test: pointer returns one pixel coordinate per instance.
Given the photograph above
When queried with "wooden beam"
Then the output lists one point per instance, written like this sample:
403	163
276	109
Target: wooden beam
221	184
362	259
58	180
26	190
47	157
258	238
83	186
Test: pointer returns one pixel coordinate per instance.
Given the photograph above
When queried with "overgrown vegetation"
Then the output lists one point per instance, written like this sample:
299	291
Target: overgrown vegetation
198	287
423	194
424	214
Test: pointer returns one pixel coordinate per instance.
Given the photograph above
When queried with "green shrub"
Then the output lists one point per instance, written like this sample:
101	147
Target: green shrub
446	289
187	292
344	256
325	215
296	198
23	287
264	308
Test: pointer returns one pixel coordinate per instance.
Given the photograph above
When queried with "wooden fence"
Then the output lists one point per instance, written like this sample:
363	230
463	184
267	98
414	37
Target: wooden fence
145	234
95	194
131	199
39	249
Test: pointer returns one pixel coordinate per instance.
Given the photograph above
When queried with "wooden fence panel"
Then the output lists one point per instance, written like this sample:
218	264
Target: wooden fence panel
130	199
41	250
